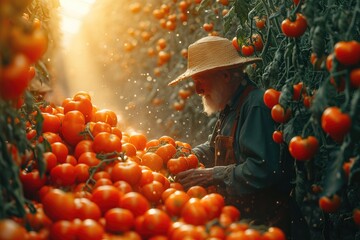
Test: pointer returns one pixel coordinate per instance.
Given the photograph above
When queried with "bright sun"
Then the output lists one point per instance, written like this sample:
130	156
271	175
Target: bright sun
72	12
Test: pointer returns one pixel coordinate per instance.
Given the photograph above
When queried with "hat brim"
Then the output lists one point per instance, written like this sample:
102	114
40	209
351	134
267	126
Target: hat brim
191	72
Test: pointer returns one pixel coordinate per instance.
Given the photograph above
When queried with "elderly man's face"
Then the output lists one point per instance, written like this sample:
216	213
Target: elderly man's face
214	90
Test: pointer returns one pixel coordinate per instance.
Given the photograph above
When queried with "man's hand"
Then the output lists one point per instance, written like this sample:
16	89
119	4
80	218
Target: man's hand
195	177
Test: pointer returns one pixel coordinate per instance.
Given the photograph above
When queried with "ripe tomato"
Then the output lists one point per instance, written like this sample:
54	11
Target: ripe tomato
63	175
175	202
298	91
128	171
32	181
155	222
347	52
73	125
330	204
274	233
356	216
279	114
89	229
139	140
106	197
14	78
271	97
33	44
152	160
10	230
197	192
56	199
153	191
83	146
118	220
82	104
335	123
135	202
260	22
247	50
60	150
194	212
89	158
129	149
51	123
277	136
107	116
105	142
235	43
50	161
192	161
166	152
213	204
63	229
303	149
176	165
355	78
100	127
86	209
294	28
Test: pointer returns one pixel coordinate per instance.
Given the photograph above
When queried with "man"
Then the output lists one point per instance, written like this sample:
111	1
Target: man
251	171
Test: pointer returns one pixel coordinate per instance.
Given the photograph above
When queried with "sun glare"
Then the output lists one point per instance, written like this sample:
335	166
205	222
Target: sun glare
72	12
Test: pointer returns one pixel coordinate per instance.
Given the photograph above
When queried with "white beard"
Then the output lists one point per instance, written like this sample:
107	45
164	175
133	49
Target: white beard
215	101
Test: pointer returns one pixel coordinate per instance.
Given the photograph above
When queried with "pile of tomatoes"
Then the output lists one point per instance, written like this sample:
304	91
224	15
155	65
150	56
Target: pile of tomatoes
102	182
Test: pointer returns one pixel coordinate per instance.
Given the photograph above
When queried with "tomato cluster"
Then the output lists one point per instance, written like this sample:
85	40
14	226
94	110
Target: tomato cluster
101	182
27	43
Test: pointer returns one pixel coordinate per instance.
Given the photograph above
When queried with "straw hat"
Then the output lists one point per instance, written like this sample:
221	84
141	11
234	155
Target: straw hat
211	53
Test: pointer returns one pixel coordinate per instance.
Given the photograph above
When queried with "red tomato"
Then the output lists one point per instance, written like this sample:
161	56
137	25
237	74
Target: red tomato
106	197
294	28
10	230
176	165
152	191
303	149
155	222
278	136
89	158
271	97
51	123
197	192
63	175
90	229
213	204
60	150
235	43
257	41
105	142
86	209
128	171
356	216
119	220
335	123
107	116
247	50
14	78
63	229
330	205
72	127
298	91
347	52
279	114
274	233
194	212
33	44
355	78
83	105
175	202
32	181
83	146
50	161
56	199
82	172
135	202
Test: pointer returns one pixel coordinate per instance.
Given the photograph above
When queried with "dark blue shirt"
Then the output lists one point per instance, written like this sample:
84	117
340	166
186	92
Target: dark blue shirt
260	162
